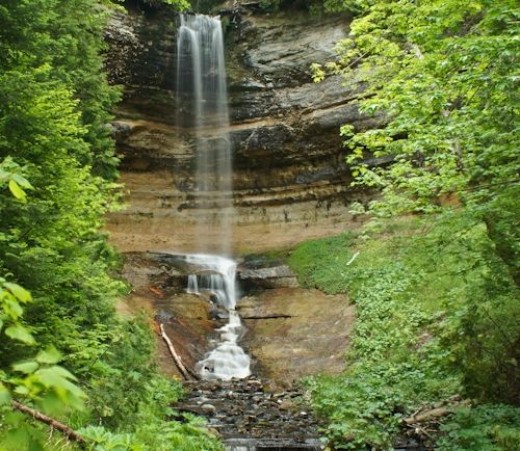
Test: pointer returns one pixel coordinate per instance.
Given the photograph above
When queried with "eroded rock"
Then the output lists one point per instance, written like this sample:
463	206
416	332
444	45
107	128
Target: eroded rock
294	332
290	180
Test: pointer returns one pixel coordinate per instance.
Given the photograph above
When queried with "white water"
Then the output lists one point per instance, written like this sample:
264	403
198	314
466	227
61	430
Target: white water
216	277
203	104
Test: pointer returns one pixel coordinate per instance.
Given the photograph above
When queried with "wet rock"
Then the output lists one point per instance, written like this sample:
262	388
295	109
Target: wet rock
292	332
271	277
237	413
208	409
290	181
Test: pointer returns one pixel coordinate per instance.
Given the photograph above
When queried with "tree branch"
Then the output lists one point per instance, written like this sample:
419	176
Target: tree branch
176	357
68	432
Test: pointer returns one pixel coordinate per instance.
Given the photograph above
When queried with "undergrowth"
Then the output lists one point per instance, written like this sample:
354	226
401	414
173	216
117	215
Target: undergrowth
436	320
129	400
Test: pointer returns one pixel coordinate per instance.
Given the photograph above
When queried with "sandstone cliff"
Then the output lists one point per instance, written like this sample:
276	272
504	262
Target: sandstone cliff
290	181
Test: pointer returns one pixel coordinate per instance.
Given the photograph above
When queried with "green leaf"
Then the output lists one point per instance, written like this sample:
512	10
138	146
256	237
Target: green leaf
22	181
12	307
5	396
55	375
59	380
49	356
27	367
20	333
17	191
21	293
22	390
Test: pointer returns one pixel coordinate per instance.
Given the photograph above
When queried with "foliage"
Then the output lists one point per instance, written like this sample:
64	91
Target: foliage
427	295
484	428
443	77
352	6
318	263
42	381
164	436
128	401
63	348
180	5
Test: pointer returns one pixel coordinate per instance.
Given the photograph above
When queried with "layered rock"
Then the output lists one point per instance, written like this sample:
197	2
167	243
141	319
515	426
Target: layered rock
290	332
290	181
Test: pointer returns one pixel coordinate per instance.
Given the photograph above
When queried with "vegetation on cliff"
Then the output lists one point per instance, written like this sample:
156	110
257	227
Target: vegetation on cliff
64	351
437	298
435	328
445	76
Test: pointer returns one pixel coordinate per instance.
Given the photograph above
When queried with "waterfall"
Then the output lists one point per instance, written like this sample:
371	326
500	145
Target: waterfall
203	107
216	278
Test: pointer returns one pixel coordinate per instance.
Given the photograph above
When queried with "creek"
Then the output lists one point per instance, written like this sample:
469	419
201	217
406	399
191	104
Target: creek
246	416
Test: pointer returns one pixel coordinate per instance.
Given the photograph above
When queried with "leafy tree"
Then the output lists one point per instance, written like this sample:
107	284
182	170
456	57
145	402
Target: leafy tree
54	113
444	77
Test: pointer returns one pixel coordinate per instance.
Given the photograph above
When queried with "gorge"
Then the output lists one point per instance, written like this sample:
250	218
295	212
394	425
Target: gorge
289	178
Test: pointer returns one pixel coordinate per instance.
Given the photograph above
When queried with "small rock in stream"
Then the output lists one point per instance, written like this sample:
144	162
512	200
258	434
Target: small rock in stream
240	409
208	409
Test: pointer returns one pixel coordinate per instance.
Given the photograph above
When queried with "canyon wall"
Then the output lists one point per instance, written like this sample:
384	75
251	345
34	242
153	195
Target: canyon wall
289	176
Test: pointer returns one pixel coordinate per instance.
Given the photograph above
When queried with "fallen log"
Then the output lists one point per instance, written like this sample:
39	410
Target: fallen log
67	431
428	415
176	357
436	412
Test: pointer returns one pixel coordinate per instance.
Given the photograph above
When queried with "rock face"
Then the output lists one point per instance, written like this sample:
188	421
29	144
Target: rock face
290	183
290	180
292	333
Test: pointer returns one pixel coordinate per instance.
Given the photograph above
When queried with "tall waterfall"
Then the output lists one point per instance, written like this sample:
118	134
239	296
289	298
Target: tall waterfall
203	106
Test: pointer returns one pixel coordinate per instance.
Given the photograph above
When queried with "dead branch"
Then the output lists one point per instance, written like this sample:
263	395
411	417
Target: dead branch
428	415
432	414
176	357
68	432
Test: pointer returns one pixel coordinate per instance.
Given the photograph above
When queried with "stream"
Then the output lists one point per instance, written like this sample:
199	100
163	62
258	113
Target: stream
246	416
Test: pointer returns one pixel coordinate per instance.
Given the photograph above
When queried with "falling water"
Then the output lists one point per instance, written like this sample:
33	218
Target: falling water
203	105
216	278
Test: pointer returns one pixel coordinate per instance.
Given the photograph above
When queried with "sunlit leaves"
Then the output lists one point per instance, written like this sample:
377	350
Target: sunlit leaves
10	172
49	356
444	75
12	296
20	333
20	293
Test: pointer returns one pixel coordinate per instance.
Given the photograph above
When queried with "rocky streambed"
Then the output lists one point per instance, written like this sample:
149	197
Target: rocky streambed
247	416
289	332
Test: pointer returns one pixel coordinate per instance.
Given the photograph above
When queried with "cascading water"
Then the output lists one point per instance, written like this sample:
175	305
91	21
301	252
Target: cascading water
203	104
217	279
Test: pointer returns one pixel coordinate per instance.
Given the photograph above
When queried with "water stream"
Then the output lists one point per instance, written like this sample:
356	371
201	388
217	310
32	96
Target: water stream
216	279
203	106
247	417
